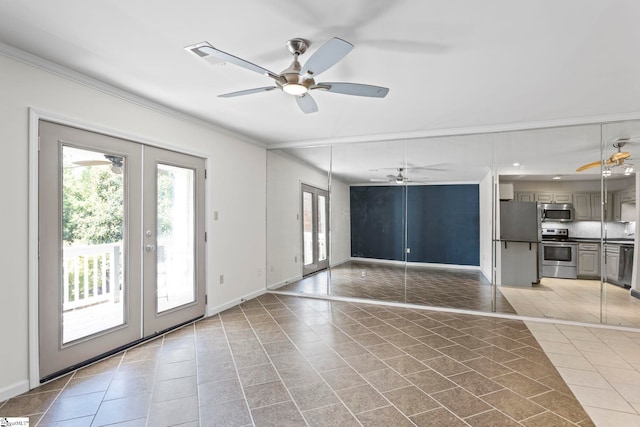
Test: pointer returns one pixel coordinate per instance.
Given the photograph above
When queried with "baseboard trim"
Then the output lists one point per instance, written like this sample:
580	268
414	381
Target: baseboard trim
417	264
14	390
222	307
284	282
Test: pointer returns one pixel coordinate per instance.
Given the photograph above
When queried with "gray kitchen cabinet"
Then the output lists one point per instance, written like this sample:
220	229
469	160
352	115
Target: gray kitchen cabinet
616	198
554	197
587	206
612	263
596	206
588	260
525	196
582	206
628	195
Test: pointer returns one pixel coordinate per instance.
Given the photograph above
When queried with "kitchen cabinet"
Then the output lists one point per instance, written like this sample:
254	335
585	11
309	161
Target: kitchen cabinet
628	195
554	197
587	206
612	263
623	205
544	197
616	198
588	260
525	196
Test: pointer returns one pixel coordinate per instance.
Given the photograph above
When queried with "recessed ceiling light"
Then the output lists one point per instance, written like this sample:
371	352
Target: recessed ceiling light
516	164
557	177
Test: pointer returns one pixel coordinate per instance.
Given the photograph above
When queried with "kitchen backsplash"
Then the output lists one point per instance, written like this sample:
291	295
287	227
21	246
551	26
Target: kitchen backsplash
591	229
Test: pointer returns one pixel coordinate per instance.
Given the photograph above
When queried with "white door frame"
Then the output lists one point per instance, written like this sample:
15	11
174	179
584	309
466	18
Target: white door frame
35	116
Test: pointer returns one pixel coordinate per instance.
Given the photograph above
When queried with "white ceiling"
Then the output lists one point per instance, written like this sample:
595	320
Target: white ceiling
452	66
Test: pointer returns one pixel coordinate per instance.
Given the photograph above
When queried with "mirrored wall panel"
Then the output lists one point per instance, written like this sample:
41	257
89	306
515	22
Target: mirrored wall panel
535	223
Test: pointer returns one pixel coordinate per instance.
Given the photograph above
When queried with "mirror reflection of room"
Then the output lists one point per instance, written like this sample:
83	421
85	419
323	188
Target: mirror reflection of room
412	221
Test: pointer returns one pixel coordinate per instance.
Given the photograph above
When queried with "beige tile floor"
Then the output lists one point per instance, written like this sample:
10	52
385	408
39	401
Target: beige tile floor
291	361
577	300
600	365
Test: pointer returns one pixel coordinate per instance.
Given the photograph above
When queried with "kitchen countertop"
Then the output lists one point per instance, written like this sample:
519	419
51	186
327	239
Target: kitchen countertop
597	240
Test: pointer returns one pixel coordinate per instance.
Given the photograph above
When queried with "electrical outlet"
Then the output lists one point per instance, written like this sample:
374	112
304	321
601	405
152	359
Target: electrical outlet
215	215
222	279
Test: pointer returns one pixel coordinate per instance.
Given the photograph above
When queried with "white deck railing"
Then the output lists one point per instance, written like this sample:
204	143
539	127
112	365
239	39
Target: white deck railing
91	274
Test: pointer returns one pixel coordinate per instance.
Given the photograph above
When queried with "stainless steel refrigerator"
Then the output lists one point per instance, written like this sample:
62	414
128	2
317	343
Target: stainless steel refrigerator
520	236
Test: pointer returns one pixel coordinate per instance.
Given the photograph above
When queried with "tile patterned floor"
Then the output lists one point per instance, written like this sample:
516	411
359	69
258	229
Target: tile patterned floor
601	366
563	299
290	361
437	287
577	300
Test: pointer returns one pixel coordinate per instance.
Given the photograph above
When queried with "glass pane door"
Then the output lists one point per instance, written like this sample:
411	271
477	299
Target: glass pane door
93	252
174	239
315	235
115	266
175	229
89	234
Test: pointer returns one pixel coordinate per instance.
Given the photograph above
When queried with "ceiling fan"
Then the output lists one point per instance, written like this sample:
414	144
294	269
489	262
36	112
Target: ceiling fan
617	159
297	80
116	163
400	178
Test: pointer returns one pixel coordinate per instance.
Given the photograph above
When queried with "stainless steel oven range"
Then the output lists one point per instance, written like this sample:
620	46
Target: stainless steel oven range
559	256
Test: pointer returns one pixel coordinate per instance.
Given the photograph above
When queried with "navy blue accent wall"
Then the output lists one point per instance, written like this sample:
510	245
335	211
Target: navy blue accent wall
377	222
443	223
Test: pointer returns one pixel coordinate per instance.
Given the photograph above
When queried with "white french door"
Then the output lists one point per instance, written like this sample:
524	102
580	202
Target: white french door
121	244
315	229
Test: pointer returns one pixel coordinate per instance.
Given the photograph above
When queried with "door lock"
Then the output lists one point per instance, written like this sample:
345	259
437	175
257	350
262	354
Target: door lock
150	248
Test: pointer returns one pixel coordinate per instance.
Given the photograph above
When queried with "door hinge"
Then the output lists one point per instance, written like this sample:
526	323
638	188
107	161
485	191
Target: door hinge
205	236
205	174
206	298
38	142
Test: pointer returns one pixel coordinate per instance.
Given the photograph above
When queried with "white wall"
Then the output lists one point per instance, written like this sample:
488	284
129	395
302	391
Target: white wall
236	246
486	225
340	222
284	239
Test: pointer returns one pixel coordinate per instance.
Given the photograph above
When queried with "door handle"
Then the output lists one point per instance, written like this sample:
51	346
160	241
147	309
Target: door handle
150	248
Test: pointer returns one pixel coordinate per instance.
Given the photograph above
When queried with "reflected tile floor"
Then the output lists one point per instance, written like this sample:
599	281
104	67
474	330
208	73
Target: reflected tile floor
577	300
290	361
437	287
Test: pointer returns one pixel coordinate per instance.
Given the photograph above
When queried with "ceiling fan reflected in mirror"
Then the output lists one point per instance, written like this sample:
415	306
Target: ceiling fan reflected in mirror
618	159
116	162
297	80
400	178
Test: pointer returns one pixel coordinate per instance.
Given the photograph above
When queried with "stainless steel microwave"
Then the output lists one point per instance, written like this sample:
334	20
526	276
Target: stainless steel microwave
558	212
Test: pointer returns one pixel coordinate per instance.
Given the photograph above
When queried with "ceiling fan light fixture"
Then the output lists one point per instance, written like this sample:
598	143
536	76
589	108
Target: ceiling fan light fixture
557	177
606	172
628	170
295	89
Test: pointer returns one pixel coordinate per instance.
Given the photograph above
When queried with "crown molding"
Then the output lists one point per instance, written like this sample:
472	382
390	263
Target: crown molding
474	130
93	83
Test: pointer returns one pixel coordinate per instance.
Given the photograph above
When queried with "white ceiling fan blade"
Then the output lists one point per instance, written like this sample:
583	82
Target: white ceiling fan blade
307	104
378	180
206	51
356	89
247	92
326	56
91	162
